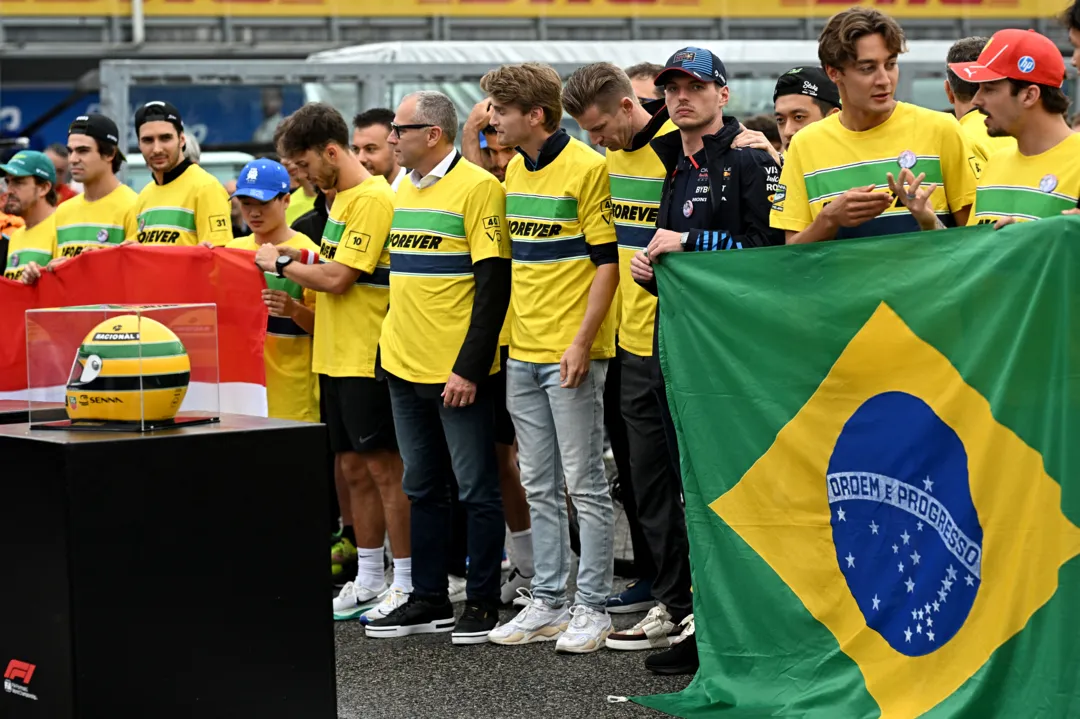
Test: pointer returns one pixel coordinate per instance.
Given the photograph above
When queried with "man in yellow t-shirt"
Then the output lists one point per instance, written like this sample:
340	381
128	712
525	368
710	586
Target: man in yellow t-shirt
183	204
449	289
565	269
31	179
601	98
961	93
834	184
263	192
353	282
1019	74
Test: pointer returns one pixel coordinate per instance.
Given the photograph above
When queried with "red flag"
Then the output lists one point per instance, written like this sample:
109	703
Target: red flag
136	275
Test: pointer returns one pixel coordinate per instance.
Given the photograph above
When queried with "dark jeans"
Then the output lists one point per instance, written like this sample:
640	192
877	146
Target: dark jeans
437	444
657	481
644	566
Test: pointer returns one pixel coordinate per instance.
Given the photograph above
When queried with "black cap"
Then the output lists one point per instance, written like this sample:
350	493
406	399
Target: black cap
98	127
809	81
158	111
695	62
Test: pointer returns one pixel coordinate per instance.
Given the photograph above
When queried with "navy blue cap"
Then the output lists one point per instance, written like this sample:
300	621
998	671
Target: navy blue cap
695	62
262	180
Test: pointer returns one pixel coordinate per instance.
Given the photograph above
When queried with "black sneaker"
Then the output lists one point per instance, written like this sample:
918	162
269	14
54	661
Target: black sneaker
682	658
475	624
416	616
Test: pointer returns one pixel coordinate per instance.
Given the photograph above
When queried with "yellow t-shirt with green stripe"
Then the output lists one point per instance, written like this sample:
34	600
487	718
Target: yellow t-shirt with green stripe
291	386
187	210
984	146
637	179
81	223
554	214
37	244
826	160
438	233
1029	188
347	326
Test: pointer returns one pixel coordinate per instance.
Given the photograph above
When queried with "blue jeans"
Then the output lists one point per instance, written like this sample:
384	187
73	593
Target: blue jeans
553	423
437	444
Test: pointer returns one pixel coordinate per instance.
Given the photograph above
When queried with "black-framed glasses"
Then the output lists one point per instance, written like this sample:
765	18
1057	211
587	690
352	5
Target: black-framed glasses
396	128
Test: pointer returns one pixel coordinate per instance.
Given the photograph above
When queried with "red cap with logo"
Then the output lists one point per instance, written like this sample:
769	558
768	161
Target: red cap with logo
1022	55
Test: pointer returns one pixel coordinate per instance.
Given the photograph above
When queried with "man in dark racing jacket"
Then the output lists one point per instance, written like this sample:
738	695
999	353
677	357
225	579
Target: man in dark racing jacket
715	197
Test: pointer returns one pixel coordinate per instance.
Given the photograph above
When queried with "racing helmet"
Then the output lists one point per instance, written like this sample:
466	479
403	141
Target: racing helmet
127	369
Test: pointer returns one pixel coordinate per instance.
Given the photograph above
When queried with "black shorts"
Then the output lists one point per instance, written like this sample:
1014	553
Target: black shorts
504	425
357	414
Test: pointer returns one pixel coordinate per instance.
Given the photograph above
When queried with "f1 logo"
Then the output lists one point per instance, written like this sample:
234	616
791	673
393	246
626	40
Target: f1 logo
22	671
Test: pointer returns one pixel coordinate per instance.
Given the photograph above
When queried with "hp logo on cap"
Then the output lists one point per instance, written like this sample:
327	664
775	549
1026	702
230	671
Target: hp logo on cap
1026	64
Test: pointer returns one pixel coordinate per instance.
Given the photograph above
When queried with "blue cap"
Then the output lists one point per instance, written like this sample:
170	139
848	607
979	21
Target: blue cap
695	62
262	180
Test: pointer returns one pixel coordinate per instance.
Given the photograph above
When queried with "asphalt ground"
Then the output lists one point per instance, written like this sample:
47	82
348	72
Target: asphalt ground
427	676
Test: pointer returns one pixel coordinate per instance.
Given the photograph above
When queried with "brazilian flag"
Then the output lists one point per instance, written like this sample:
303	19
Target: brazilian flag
880	446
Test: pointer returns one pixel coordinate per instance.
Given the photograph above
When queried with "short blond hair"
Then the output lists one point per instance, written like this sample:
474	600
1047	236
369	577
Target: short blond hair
601	84
525	86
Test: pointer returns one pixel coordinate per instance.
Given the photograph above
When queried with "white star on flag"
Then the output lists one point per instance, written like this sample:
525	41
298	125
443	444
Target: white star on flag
947	584
919	526
840	515
930	636
941	595
951	572
920	614
970	580
929	621
876	601
850	560
927	607
927	484
900	567
936	607
914	614
905	536
910	585
895	549
918	628
915	558
907	634
873	527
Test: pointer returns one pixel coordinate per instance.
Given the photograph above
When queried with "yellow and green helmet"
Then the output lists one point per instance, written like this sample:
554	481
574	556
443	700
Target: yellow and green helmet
128	368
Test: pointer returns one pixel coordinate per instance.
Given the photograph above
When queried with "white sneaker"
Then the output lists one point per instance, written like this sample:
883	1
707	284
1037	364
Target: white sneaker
353	599
457	588
511	586
537	622
587	632
391	600
686	627
655	631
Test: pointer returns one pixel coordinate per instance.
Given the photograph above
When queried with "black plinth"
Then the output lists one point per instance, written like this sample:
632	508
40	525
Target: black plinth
171	574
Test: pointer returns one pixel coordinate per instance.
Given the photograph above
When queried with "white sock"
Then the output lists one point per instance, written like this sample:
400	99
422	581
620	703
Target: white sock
403	574
523	552
369	572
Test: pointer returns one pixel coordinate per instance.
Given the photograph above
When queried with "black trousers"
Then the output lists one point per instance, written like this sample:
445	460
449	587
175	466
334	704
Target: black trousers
644	566
657	481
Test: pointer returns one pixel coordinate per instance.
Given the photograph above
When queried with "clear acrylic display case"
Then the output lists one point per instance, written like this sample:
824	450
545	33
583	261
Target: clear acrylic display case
123	367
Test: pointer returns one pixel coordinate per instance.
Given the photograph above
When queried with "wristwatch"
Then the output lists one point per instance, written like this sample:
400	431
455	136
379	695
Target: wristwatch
683	239
282	262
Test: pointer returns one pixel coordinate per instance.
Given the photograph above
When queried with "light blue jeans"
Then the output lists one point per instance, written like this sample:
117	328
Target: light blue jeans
553	423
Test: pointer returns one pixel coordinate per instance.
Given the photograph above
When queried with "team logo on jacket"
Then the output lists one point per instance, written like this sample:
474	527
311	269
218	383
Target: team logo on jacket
688	208
1048	183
